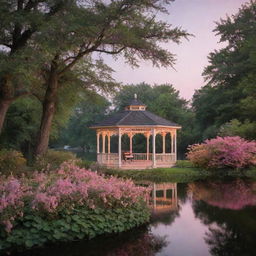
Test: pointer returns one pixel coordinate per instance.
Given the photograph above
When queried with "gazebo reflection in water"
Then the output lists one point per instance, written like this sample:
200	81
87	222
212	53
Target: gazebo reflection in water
135	119
164	198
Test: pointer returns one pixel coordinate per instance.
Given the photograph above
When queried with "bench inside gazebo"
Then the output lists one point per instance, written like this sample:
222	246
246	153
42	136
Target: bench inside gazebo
135	119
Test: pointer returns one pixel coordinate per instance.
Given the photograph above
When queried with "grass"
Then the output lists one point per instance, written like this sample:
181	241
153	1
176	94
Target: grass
251	173
175	174
182	173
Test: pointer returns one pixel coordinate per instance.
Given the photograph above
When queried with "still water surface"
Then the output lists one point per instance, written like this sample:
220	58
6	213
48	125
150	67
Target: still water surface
195	219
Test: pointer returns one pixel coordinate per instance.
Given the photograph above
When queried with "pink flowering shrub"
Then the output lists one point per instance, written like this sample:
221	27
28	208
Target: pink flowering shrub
68	188
226	152
12	192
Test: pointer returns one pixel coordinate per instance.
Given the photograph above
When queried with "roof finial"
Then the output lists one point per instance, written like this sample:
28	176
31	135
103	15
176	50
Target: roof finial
135	96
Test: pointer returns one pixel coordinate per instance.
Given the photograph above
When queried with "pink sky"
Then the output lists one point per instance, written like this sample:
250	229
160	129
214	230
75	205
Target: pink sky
197	17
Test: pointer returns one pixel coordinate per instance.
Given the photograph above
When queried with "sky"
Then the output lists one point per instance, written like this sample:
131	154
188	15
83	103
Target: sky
198	17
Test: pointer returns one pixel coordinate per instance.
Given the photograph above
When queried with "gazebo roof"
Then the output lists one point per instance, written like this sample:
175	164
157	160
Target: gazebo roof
136	102
135	117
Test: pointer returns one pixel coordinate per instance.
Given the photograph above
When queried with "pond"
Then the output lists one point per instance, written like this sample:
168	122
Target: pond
195	219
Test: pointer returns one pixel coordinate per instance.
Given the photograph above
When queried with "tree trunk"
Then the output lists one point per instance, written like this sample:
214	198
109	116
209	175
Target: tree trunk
4	106
6	98
49	106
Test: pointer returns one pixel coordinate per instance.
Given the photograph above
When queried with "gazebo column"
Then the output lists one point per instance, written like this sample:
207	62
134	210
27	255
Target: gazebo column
99	156
109	138
172	144
130	136
103	143
165	193
163	136
98	143
154	147
148	135
119	148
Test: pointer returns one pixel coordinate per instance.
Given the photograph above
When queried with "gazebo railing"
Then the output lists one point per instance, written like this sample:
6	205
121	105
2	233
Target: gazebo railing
142	156
107	158
165	158
112	158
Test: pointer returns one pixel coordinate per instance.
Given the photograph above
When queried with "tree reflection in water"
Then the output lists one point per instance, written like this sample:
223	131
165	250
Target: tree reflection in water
232	195
228	209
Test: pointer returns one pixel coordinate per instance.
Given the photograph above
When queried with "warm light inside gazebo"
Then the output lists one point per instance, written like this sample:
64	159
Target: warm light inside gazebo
135	119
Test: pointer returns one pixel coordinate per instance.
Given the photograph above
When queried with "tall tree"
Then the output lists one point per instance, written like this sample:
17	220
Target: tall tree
122	27
20	21
231	75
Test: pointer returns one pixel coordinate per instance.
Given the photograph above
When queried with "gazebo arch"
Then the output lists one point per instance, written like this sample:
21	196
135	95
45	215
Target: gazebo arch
135	119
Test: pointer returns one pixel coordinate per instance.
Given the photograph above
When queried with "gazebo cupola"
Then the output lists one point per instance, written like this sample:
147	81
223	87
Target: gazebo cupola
135	105
135	119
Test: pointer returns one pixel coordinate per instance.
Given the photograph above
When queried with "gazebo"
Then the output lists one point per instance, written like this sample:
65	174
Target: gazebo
135	119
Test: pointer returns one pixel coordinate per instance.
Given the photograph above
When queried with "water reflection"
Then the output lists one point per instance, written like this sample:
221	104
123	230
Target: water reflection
164	203
196	219
233	195
139	242
214	218
228	210
164	197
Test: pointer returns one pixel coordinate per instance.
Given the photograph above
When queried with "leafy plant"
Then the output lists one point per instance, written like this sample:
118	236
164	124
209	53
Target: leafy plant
11	161
67	204
52	159
184	164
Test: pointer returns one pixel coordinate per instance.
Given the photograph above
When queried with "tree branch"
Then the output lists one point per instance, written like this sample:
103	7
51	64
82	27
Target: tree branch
82	53
37	96
111	52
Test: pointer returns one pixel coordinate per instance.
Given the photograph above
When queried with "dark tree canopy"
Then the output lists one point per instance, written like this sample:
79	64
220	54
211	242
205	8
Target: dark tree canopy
49	45
231	74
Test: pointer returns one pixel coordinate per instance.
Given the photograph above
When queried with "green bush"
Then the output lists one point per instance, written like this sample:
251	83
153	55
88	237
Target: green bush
184	164
52	159
85	164
11	162
83	223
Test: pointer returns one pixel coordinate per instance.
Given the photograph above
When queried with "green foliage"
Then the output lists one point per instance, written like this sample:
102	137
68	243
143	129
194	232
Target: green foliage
184	164
85	163
11	162
237	128
82	223
22	123
89	111
230	92
52	159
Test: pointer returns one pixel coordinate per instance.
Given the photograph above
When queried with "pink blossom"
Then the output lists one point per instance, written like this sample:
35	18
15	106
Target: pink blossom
231	152
47	202
64	189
